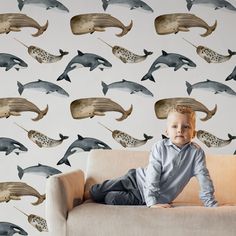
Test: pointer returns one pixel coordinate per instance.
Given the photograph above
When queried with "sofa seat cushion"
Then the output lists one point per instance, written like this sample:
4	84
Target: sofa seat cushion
106	220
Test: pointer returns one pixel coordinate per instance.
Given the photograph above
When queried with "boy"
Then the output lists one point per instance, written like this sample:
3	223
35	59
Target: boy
172	162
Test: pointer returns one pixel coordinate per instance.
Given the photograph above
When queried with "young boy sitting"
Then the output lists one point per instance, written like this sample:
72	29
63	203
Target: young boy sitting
172	163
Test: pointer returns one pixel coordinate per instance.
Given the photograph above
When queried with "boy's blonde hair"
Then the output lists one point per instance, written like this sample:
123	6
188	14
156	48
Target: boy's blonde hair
183	109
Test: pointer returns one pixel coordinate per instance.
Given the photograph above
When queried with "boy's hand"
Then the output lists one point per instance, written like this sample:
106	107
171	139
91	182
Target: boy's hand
161	206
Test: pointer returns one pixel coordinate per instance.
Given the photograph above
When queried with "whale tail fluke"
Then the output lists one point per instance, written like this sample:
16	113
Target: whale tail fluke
41	114
189	4
41	30
20	87
20	172
125	29
104	88
64	76
189	87
209	30
148	76
20	4
41	198
104	4
64	160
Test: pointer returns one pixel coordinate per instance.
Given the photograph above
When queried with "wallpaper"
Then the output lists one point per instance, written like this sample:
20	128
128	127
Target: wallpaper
102	74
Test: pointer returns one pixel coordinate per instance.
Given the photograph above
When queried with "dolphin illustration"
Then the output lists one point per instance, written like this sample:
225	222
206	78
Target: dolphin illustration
126	85
169	60
212	86
9	229
44	86
9	61
82	144
84	60
48	4
9	145
217	4
132	4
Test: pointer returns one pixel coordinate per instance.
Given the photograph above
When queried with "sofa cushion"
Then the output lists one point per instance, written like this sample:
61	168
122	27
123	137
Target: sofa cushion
106	220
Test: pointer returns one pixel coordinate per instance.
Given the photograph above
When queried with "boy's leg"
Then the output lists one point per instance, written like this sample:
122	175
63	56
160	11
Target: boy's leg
126	183
122	198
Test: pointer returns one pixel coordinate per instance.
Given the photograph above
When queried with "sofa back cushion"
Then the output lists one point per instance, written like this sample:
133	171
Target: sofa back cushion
108	164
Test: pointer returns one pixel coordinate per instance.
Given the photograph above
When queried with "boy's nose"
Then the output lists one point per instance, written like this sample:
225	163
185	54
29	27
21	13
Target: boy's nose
180	130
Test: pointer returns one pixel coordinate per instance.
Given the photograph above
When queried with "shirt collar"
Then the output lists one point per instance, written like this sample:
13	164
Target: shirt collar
169	143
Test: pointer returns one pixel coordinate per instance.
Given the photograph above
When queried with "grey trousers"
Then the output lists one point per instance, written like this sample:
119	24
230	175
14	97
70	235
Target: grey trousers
121	191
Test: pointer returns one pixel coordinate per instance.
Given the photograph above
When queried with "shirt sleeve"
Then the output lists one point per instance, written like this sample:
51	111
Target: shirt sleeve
153	173
206	186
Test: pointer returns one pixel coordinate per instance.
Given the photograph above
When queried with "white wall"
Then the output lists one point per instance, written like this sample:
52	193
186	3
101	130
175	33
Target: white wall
85	83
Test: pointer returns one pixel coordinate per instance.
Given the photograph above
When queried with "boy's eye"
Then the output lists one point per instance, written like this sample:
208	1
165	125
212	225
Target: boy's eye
187	126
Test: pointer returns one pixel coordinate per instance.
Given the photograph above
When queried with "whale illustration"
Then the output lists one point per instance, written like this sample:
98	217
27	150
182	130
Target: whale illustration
163	106
15	21
176	22
212	86
211	140
9	145
44	86
48	4
42	170
132	4
13	106
84	60
91	22
11	61
216	4
82	144
97	106
169	60
14	191
128	86
10	229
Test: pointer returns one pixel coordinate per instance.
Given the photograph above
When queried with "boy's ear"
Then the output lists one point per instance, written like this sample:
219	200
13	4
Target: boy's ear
194	133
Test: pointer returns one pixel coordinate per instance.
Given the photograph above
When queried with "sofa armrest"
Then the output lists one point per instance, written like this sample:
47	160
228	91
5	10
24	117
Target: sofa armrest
63	192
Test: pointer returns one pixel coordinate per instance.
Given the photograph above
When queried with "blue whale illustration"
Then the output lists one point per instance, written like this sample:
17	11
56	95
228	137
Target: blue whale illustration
132	4
217	4
48	4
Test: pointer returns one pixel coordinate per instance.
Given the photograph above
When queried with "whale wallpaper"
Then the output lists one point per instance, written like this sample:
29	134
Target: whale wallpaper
95	74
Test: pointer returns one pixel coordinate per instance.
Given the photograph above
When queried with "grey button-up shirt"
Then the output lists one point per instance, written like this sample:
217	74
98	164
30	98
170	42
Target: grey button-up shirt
170	169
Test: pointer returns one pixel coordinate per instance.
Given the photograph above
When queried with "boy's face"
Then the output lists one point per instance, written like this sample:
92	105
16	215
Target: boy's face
180	128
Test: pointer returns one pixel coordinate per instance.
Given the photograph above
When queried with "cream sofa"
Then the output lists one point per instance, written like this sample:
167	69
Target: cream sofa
68	215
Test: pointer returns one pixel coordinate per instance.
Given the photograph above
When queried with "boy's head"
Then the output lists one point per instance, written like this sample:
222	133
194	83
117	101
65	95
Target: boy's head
181	125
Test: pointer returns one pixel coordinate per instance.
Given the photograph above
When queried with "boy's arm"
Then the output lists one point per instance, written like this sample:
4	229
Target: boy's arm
205	182
153	172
